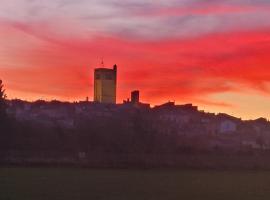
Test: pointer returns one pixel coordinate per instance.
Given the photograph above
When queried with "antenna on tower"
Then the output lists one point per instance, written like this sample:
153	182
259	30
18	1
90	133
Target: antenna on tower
102	62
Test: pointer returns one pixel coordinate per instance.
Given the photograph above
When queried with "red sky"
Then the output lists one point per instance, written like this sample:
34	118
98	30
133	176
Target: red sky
212	54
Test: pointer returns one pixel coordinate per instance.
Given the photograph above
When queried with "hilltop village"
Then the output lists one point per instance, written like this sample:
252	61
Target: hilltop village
103	133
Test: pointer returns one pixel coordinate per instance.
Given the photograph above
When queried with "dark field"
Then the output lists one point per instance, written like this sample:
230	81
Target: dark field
75	184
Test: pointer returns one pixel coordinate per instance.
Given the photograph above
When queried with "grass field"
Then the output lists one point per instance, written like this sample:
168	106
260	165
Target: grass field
76	184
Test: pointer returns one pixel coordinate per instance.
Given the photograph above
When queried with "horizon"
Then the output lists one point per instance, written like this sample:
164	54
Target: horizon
120	103
211	54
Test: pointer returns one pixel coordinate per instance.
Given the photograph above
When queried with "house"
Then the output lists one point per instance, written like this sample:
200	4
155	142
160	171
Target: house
227	126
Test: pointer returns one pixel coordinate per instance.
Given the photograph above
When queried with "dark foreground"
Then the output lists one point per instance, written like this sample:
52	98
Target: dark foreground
76	184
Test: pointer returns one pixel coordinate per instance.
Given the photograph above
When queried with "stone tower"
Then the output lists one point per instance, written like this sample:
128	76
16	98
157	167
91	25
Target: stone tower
105	82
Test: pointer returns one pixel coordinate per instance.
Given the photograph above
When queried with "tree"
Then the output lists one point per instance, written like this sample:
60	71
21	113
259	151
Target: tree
5	138
2	102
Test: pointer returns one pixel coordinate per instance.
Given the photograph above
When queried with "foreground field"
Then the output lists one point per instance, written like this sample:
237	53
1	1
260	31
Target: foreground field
76	184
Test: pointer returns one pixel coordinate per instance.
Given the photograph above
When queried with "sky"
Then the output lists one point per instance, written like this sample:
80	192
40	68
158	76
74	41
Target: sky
214	54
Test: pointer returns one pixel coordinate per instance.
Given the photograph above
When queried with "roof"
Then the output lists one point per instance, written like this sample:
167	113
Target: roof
104	69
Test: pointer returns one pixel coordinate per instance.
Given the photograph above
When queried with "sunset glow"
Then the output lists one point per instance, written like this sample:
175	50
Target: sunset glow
215	54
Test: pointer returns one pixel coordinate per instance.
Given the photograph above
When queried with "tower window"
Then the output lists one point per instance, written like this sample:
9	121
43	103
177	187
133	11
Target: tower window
97	76
109	77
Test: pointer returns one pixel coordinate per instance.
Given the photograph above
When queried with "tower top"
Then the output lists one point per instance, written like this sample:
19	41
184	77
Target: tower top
115	67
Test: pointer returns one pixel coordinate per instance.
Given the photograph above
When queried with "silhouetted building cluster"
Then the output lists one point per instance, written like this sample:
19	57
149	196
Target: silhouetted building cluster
97	134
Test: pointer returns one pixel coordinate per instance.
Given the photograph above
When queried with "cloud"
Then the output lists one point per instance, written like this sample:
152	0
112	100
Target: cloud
139	20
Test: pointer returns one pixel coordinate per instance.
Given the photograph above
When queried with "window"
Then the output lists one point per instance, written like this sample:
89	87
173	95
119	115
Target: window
109	77
97	76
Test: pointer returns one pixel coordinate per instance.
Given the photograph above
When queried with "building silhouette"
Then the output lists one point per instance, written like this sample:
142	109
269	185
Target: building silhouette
135	97
105	85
